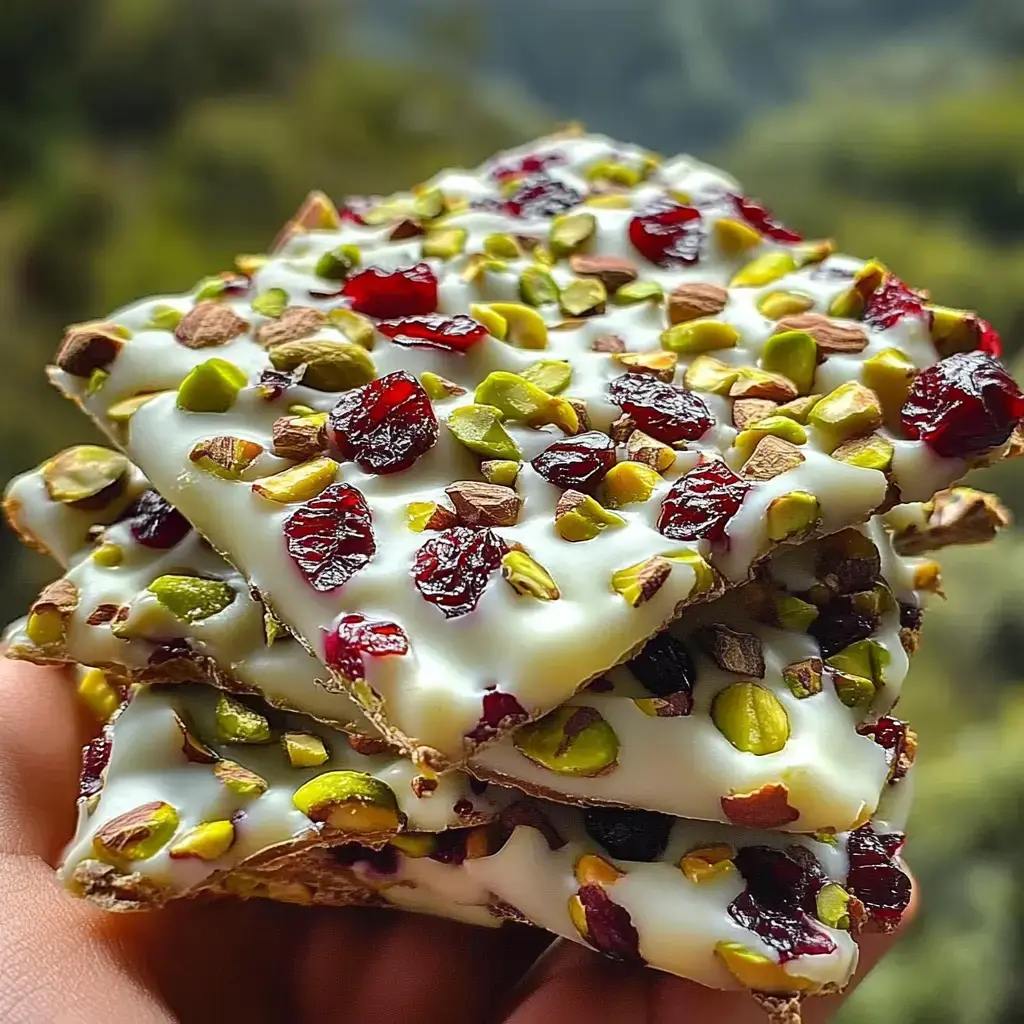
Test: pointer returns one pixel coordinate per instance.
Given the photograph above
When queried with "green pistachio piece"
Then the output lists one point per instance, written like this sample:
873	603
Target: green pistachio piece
237	723
164	318
501	247
570	741
832	906
445	243
537	287
429	203
304	750
479	428
96	381
792	514
871	452
800	408
518	399
570	232
212	386
760	973
629	483
355	327
853	691
207	842
776	305
239	780
271	303
503	472
351	802
439	388
330	365
225	456
793	614
850	411
774	426
550	375
890	375
108	556
191	598
583	296
415	844
86	476
579	517
866	658
794	354
614	173
524	327
337	264
298	483
528	577
136	835
764	269
751	718
704	575
706	373
637	584
638	291
735	237
803	678
695	336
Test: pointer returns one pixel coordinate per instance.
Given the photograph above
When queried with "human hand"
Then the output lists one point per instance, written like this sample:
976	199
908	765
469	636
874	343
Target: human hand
63	960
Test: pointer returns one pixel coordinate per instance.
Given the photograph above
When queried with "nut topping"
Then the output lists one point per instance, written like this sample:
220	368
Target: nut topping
732	651
481	504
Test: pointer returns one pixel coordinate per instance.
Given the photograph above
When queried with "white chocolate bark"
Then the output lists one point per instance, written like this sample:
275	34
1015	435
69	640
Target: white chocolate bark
538	652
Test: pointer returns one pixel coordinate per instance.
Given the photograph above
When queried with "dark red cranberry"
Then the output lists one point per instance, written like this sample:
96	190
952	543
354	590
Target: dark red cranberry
448	333
988	339
702	502
500	711
409	291
386	425
609	927
874	878
452	570
963	405
776	879
668	233
838	625
891	735
330	537
759	217
628	834
580	462
911	616
791	933
665	411
541	197
155	523
664	667
356	635
532	163
891	303
95	757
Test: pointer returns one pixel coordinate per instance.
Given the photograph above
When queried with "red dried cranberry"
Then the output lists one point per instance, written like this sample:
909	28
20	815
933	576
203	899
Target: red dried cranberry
776	879
610	929
410	291
911	616
95	757
628	834
963	405
448	333
386	425
664	667
155	523
500	711
882	887
452	569
891	303
541	197
356	635
988	339
758	217
330	537
891	735
581	462
532	163
665	411
791	933
668	233
702	502
838	625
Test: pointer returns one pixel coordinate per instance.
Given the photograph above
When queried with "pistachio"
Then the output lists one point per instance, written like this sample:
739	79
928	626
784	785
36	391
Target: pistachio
501	247
751	718
816	251
49	614
570	741
579	517
758	973
776	305
444	243
478	265
479	428
354	326
518	399
590	869
889	374
317	213
439	388
239	780
648	451
208	841
832	906
582	415
497	325
428	515
225	456
415	844
249	265
852	302
792	514
747	411
583	297
293	324
764	270
212	386
91	346
871	452
337	264
704	575
299	483
304	749
753	383
108	556
330	365
550	375
524	327
638	291
628	483
794	354
271	303
501	471
708	864
733	651
793	614
191	598
831	338
614	173
479	504
97	379
622	428
209	324
136	835
570	232
86	476
639	583
771	426
194	749
953	330
300	437
706	373
612	271
960	515
852	410
697	336
351	802
803	677
675	705
853	691
164	318
537	287
735	237
657	364
98	694
221	285
766	807
528	577
237	723
866	658
696	301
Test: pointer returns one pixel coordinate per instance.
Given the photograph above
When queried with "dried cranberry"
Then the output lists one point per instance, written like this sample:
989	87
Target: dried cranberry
664	667
628	834
448	333
409	291
532	163
838	625
911	616
330	537
777	879
963	405
354	209
581	462
891	735
450	846
988	339
758	217
668	233
452	569
478	786
386	425
155	523
541	197
665	411
356	635
95	757
609	927
792	933
702	502
891	303
500	711
882	887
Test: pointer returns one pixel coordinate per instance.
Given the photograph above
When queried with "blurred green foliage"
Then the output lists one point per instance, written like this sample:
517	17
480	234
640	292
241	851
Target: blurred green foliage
144	144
